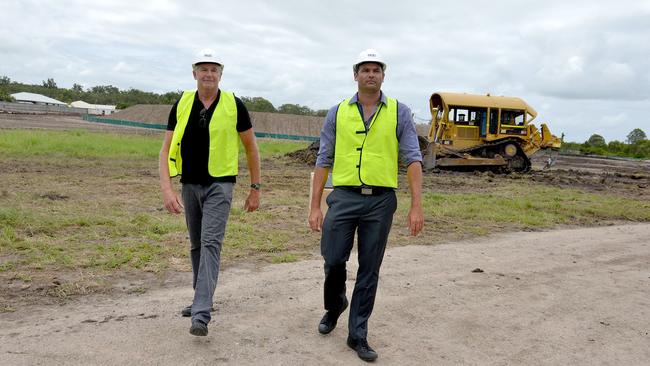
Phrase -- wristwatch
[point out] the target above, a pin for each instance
(256, 186)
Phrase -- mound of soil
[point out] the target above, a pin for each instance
(148, 113)
(307, 155)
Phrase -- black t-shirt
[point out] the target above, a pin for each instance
(195, 145)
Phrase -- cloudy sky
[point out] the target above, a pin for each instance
(583, 65)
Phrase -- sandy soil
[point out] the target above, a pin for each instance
(566, 297)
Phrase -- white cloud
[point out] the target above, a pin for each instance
(123, 67)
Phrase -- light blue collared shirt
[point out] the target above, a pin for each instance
(409, 148)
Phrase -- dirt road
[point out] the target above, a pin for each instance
(566, 297)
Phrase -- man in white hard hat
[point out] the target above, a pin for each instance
(202, 146)
(362, 140)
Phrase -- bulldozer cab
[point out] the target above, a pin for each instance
(465, 120)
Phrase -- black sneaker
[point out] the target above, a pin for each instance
(363, 349)
(328, 322)
(199, 328)
(187, 311)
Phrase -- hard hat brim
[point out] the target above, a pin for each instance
(383, 65)
(207, 62)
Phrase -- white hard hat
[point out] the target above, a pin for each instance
(369, 55)
(206, 56)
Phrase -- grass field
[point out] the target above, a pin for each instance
(85, 207)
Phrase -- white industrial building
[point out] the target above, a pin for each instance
(97, 109)
(33, 98)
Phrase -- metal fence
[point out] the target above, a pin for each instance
(29, 108)
(121, 122)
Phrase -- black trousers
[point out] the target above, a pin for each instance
(371, 217)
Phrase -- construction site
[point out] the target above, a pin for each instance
(508, 290)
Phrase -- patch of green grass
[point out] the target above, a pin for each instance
(22, 277)
(7, 235)
(257, 233)
(152, 257)
(10, 218)
(285, 258)
(7, 309)
(68, 289)
(273, 242)
(77, 239)
(153, 227)
(525, 207)
(97, 145)
(77, 144)
(138, 290)
(7, 266)
(270, 148)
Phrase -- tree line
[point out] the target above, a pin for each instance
(111, 95)
(636, 145)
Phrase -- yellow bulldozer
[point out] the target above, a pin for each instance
(484, 131)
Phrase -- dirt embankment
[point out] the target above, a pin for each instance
(275, 123)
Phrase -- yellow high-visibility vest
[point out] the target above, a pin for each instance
(366, 157)
(223, 159)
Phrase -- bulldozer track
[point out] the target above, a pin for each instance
(494, 147)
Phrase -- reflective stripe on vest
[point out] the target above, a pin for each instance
(366, 157)
(223, 159)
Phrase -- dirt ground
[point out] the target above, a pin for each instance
(566, 297)
(625, 177)
(572, 296)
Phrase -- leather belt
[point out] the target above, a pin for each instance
(366, 190)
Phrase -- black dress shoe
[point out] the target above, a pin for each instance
(328, 323)
(187, 311)
(199, 328)
(363, 349)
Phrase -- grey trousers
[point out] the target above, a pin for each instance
(206, 213)
(371, 217)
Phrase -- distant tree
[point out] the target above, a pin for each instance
(50, 84)
(4, 80)
(616, 147)
(570, 147)
(77, 88)
(295, 109)
(258, 104)
(171, 97)
(637, 135)
(596, 140)
(6, 97)
(640, 150)
(104, 89)
(321, 113)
